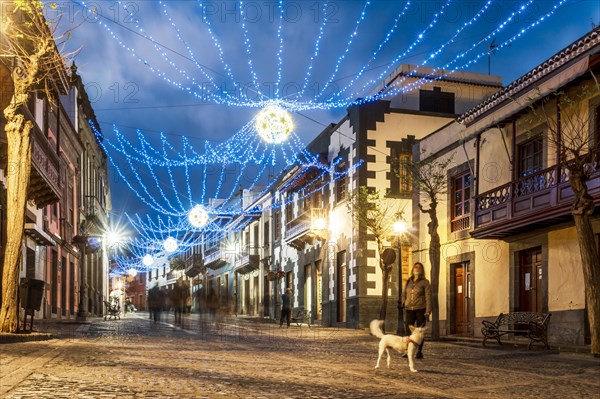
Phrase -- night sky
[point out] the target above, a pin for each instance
(175, 37)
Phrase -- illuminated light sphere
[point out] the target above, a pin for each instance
(274, 124)
(170, 244)
(132, 272)
(198, 217)
(147, 260)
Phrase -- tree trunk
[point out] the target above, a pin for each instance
(590, 260)
(434, 256)
(18, 132)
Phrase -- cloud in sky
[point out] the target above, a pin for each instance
(127, 92)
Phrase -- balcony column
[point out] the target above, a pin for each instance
(83, 295)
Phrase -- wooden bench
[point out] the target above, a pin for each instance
(535, 325)
(300, 316)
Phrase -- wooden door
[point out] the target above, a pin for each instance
(530, 280)
(460, 314)
(256, 297)
(308, 287)
(341, 286)
(63, 287)
(318, 291)
(54, 289)
(247, 295)
(461, 299)
(266, 296)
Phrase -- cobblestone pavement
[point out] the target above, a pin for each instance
(136, 358)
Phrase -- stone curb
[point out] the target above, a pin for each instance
(6, 338)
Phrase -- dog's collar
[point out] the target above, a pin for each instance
(408, 341)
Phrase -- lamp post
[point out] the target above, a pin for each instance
(399, 230)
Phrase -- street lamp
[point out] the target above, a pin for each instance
(399, 229)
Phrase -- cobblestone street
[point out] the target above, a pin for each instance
(135, 358)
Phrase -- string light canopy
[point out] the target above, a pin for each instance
(339, 83)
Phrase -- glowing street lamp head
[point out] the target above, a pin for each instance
(114, 238)
(170, 244)
(274, 124)
(133, 272)
(147, 260)
(320, 224)
(198, 217)
(400, 227)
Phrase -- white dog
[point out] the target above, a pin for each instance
(403, 345)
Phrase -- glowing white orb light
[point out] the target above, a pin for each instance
(274, 124)
(147, 260)
(132, 272)
(198, 217)
(170, 244)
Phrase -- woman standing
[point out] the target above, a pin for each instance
(416, 299)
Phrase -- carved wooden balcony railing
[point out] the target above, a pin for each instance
(303, 229)
(44, 183)
(462, 223)
(540, 199)
(193, 265)
(247, 260)
(215, 257)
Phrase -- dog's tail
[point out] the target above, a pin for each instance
(375, 328)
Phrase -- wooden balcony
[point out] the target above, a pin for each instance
(539, 200)
(44, 183)
(193, 265)
(303, 229)
(214, 258)
(247, 261)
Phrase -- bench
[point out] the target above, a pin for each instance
(535, 325)
(300, 316)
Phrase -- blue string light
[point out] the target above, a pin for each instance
(348, 45)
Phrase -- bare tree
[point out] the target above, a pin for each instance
(430, 179)
(377, 215)
(32, 43)
(570, 131)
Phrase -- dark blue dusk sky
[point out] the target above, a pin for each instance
(126, 92)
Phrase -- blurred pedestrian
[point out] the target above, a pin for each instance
(153, 303)
(286, 300)
(212, 303)
(161, 302)
(416, 298)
